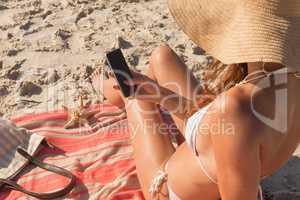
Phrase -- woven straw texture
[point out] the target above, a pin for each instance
(240, 31)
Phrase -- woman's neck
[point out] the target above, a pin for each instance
(255, 66)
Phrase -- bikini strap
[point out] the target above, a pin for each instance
(157, 182)
(159, 179)
(261, 196)
(259, 74)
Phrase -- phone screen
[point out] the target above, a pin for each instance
(121, 71)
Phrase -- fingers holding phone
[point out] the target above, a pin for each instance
(132, 84)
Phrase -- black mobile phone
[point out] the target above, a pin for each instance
(121, 71)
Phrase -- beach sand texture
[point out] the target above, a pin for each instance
(48, 48)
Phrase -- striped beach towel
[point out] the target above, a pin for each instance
(100, 157)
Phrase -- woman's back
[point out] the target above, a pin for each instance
(269, 109)
(281, 108)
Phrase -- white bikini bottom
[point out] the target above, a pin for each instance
(173, 195)
(162, 178)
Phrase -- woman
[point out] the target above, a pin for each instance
(247, 131)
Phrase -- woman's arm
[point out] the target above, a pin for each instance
(150, 90)
(179, 105)
(236, 149)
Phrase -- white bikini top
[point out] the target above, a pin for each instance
(193, 123)
(191, 130)
(192, 126)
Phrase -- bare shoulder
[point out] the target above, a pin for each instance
(232, 110)
(237, 155)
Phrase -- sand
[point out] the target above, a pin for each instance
(50, 47)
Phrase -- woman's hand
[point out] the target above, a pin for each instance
(146, 89)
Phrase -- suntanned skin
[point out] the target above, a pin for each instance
(238, 158)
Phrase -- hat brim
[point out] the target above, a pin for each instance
(237, 32)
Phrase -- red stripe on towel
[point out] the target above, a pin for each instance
(101, 160)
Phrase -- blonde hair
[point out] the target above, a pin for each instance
(220, 77)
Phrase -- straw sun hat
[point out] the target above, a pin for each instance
(240, 31)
